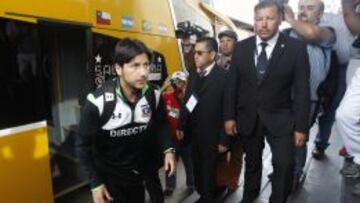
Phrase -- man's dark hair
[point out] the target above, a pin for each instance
(127, 49)
(210, 42)
(269, 3)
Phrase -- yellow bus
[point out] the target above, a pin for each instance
(67, 45)
(52, 53)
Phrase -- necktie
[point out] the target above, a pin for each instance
(199, 81)
(202, 73)
(262, 61)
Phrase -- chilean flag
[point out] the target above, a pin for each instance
(103, 18)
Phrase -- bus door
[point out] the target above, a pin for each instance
(64, 63)
(65, 55)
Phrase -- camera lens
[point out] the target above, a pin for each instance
(356, 43)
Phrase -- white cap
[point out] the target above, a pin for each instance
(179, 75)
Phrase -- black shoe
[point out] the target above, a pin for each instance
(168, 192)
(318, 153)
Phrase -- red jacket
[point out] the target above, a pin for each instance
(172, 112)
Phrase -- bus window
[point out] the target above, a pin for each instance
(21, 83)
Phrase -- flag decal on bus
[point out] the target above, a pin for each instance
(103, 18)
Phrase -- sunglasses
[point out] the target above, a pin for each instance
(186, 45)
(200, 53)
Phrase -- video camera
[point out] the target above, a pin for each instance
(185, 29)
(356, 43)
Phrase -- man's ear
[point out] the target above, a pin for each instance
(118, 69)
(213, 55)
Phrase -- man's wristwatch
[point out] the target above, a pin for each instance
(170, 150)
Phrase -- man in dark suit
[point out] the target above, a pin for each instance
(202, 116)
(268, 97)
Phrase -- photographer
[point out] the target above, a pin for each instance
(188, 52)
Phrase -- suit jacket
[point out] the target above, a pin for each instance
(205, 123)
(281, 99)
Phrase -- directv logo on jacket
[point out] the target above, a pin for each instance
(128, 132)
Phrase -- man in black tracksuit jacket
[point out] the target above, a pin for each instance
(113, 149)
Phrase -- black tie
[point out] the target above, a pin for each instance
(262, 61)
(202, 73)
(199, 81)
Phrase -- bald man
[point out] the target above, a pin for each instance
(320, 39)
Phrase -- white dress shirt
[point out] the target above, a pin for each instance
(271, 43)
(207, 69)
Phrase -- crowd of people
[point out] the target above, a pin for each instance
(233, 96)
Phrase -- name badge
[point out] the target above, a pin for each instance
(174, 113)
(191, 103)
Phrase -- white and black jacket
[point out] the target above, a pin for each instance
(116, 149)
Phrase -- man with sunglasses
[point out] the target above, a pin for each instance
(202, 116)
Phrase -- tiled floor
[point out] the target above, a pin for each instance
(322, 184)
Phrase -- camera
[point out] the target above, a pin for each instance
(185, 29)
(356, 43)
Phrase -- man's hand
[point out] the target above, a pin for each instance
(222, 148)
(230, 127)
(180, 134)
(101, 195)
(288, 14)
(170, 163)
(299, 139)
